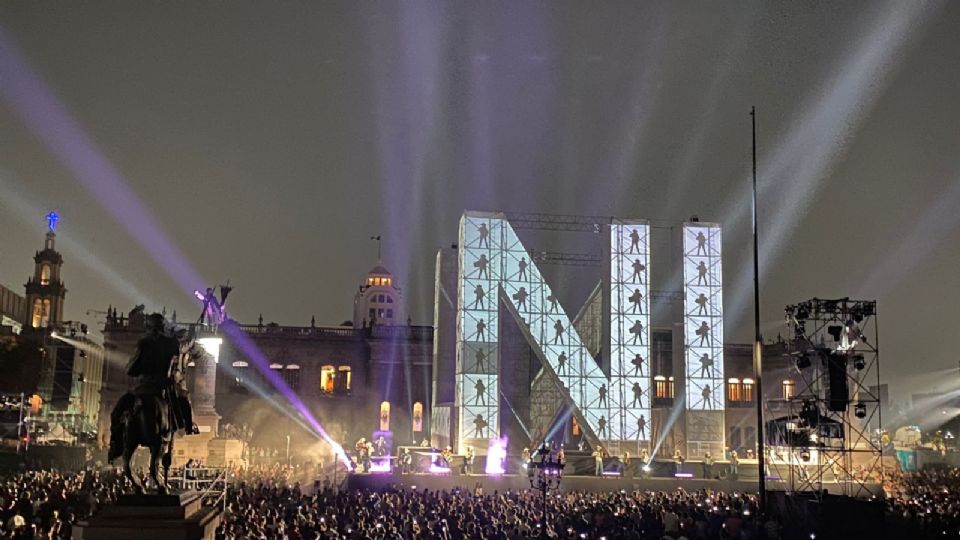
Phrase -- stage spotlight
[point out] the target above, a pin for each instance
(805, 455)
(860, 410)
(83, 353)
(859, 362)
(803, 361)
(84, 329)
(835, 330)
(53, 334)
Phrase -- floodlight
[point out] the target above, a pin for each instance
(859, 362)
(860, 410)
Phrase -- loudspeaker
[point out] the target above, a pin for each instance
(62, 378)
(838, 388)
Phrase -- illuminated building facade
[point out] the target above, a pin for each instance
(354, 378)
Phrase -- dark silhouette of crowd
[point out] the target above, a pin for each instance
(268, 510)
(267, 503)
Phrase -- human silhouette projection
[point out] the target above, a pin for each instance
(603, 395)
(701, 243)
(641, 427)
(554, 303)
(522, 275)
(704, 333)
(481, 360)
(638, 269)
(521, 297)
(481, 266)
(637, 395)
(558, 328)
(702, 301)
(481, 330)
(634, 241)
(706, 396)
(484, 233)
(601, 427)
(637, 364)
(705, 364)
(561, 362)
(637, 331)
(478, 296)
(479, 426)
(636, 298)
(702, 274)
(480, 398)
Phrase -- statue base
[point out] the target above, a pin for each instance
(152, 517)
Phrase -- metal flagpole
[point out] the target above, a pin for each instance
(758, 341)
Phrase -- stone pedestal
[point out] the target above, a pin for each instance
(152, 517)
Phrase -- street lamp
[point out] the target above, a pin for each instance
(545, 471)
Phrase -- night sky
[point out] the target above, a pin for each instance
(271, 140)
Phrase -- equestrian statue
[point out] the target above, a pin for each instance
(158, 407)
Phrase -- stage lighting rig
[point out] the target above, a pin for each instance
(860, 410)
(859, 362)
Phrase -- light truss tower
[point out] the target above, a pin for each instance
(825, 431)
(703, 337)
(629, 348)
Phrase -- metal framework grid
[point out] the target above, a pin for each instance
(629, 330)
(703, 316)
(494, 264)
(840, 447)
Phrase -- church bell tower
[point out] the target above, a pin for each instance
(45, 290)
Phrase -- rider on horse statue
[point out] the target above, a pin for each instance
(158, 365)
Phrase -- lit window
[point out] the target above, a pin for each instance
(733, 389)
(385, 416)
(369, 281)
(45, 317)
(45, 274)
(291, 376)
(661, 390)
(387, 281)
(748, 390)
(328, 377)
(37, 313)
(789, 388)
(344, 378)
(239, 373)
(417, 417)
(670, 387)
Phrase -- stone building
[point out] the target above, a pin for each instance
(354, 379)
(67, 379)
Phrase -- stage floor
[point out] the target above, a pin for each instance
(590, 484)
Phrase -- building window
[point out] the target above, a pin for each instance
(37, 313)
(733, 389)
(239, 374)
(789, 388)
(381, 299)
(373, 314)
(328, 376)
(389, 313)
(291, 376)
(344, 379)
(418, 417)
(389, 299)
(45, 274)
(385, 416)
(747, 393)
(662, 387)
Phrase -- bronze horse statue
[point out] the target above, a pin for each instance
(157, 408)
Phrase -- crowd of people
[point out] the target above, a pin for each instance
(267, 502)
(928, 500)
